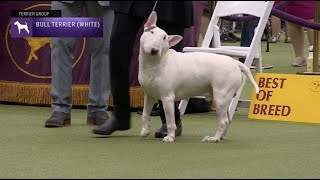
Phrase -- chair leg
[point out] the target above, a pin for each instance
(259, 61)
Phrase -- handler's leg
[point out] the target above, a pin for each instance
(99, 91)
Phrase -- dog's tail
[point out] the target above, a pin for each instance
(247, 72)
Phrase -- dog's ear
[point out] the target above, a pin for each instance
(174, 39)
(151, 22)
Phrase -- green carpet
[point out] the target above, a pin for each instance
(253, 148)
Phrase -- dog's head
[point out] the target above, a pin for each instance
(155, 41)
(15, 23)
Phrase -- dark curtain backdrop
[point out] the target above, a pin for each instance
(25, 62)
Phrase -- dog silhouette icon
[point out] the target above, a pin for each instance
(21, 26)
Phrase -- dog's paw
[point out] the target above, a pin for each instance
(214, 139)
(168, 139)
(144, 132)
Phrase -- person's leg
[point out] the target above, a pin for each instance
(99, 89)
(287, 38)
(247, 34)
(246, 39)
(310, 34)
(171, 29)
(226, 30)
(61, 69)
(275, 29)
(230, 31)
(124, 30)
(297, 41)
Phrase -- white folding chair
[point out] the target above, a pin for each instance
(260, 9)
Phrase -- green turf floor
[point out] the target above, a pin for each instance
(253, 148)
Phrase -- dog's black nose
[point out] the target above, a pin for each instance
(154, 51)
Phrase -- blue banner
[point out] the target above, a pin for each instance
(57, 27)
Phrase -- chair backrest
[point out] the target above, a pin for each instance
(254, 8)
(260, 9)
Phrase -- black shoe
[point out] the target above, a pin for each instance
(234, 37)
(227, 38)
(58, 119)
(97, 118)
(162, 132)
(155, 110)
(110, 126)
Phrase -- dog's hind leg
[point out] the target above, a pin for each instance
(229, 119)
(222, 101)
(147, 108)
(168, 106)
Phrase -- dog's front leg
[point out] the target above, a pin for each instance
(147, 108)
(168, 106)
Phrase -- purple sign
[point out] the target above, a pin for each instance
(21, 27)
(61, 27)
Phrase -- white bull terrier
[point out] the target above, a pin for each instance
(169, 75)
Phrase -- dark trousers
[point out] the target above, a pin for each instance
(247, 34)
(125, 28)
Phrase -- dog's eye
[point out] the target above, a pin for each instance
(151, 32)
(164, 37)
